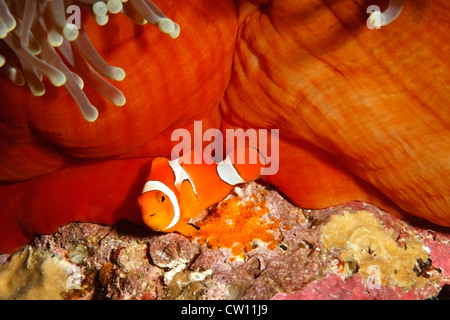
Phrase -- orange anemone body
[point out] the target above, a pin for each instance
(363, 114)
(169, 83)
(375, 102)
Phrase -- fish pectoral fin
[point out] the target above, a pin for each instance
(189, 201)
(200, 217)
(187, 230)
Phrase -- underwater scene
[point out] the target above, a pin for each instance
(224, 150)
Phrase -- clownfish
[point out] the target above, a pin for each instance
(177, 192)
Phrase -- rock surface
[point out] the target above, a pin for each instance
(351, 251)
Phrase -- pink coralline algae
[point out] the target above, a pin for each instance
(351, 251)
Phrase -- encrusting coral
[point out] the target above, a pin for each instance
(37, 274)
(314, 254)
(361, 238)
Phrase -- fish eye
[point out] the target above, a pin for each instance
(163, 198)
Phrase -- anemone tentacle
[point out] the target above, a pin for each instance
(380, 19)
(26, 27)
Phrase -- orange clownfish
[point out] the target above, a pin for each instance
(178, 191)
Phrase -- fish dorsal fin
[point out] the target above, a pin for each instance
(162, 171)
(181, 175)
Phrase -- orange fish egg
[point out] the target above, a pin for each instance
(235, 225)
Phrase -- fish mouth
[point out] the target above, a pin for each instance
(151, 215)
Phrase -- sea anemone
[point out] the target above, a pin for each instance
(39, 39)
(360, 112)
